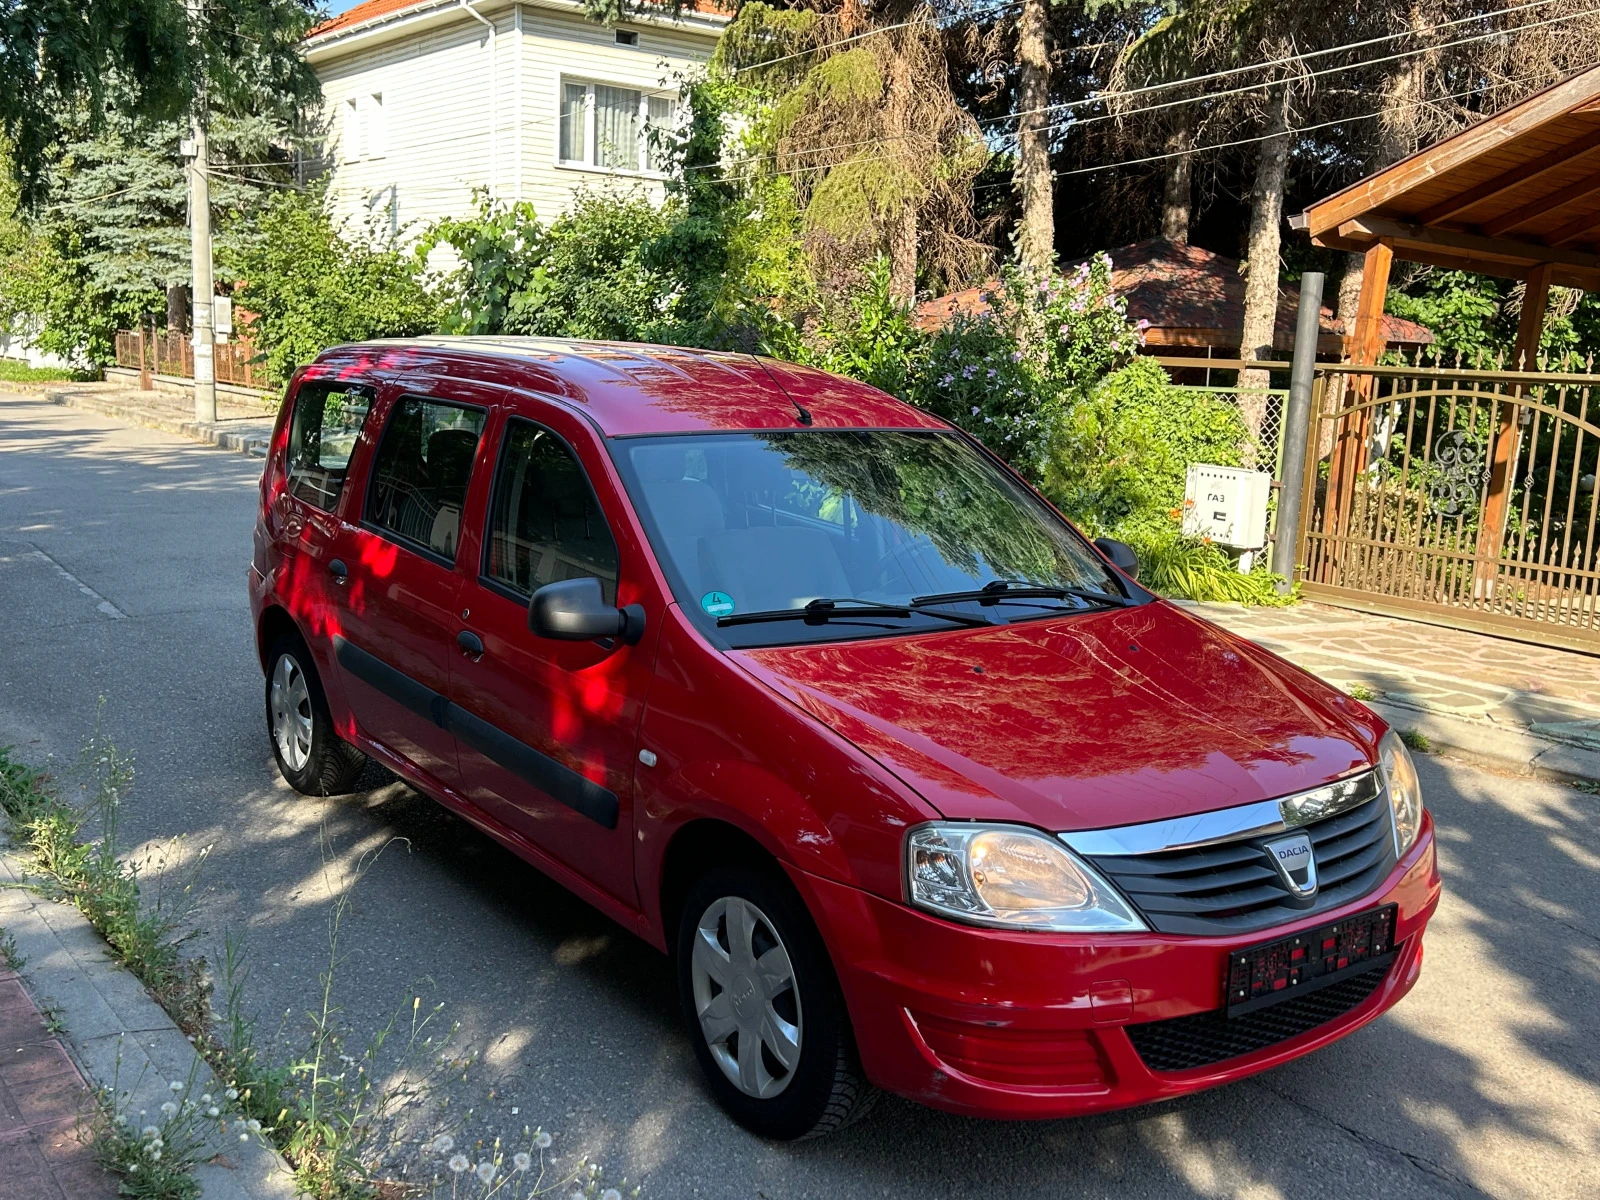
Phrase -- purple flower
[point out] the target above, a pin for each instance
(1143, 324)
(968, 371)
(947, 380)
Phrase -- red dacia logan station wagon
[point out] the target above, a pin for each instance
(918, 786)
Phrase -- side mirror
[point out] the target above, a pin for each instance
(1121, 555)
(574, 610)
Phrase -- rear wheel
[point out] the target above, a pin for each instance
(763, 1008)
(311, 756)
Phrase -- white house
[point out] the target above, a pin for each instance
(431, 99)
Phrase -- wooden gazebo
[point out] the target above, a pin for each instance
(1466, 496)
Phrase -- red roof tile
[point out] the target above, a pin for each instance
(373, 9)
(1190, 297)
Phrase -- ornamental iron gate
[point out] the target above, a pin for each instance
(1467, 498)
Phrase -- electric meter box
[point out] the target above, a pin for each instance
(1227, 505)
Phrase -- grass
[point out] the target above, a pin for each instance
(9, 954)
(14, 370)
(1416, 740)
(1360, 691)
(333, 1114)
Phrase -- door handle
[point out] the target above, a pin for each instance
(338, 570)
(471, 644)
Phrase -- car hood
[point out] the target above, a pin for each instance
(1083, 722)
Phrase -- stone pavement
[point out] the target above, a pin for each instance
(41, 1097)
(1550, 694)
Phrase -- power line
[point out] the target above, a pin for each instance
(1133, 162)
(1291, 58)
(856, 37)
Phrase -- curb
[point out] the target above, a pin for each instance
(218, 433)
(119, 1036)
(1484, 744)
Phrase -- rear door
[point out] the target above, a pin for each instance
(551, 727)
(394, 575)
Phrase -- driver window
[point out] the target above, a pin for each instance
(544, 522)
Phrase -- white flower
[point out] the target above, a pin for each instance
(244, 1137)
(169, 1108)
(542, 1140)
(213, 1111)
(522, 1160)
(458, 1163)
(175, 1086)
(206, 1098)
(232, 1093)
(443, 1144)
(485, 1173)
(157, 1143)
(150, 1131)
(155, 1153)
(253, 1125)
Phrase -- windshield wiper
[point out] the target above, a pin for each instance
(821, 610)
(1000, 590)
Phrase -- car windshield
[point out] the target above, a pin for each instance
(766, 523)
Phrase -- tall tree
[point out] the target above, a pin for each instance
(1036, 231)
(144, 59)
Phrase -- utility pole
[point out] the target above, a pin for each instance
(203, 339)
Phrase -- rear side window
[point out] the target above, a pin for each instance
(420, 476)
(544, 522)
(327, 420)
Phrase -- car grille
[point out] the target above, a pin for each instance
(1234, 888)
(1184, 1043)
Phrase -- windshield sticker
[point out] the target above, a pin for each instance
(718, 604)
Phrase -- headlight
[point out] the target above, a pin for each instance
(1405, 792)
(1010, 876)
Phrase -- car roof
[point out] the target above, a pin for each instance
(630, 388)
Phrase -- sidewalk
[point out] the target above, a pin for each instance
(41, 1097)
(242, 426)
(1485, 696)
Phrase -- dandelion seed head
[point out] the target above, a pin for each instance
(149, 1131)
(458, 1163)
(485, 1171)
(169, 1108)
(522, 1160)
(443, 1144)
(542, 1140)
(175, 1086)
(213, 1111)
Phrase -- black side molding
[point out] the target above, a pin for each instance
(534, 767)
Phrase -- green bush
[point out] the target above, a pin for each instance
(311, 285)
(14, 370)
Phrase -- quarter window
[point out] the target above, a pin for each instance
(322, 435)
(544, 522)
(420, 477)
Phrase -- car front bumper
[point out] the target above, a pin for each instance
(1027, 1025)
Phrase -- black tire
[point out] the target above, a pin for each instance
(331, 765)
(825, 1090)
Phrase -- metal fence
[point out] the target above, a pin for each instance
(170, 353)
(1462, 496)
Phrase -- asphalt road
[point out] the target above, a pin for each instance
(122, 562)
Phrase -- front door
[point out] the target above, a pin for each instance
(552, 726)
(395, 582)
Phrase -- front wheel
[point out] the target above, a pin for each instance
(764, 1011)
(311, 756)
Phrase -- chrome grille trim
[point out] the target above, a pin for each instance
(1229, 824)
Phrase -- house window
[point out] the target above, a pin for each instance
(609, 127)
(351, 138)
(366, 128)
(627, 37)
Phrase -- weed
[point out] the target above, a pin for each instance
(9, 954)
(154, 1154)
(1360, 691)
(1416, 740)
(1588, 787)
(50, 1013)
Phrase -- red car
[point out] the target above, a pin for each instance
(917, 785)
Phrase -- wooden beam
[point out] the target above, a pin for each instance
(1508, 436)
(1365, 343)
(1574, 230)
(1470, 244)
(1538, 208)
(1456, 150)
(1506, 180)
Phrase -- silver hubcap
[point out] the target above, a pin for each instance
(291, 713)
(745, 996)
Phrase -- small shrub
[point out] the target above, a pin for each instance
(1178, 566)
(14, 370)
(1416, 740)
(1360, 691)
(155, 1154)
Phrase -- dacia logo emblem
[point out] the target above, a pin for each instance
(1295, 863)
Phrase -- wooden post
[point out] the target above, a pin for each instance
(1363, 345)
(1508, 436)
